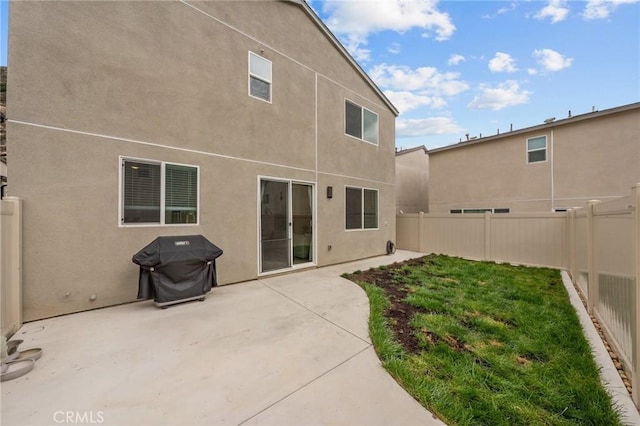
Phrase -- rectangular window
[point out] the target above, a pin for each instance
(467, 211)
(537, 149)
(181, 194)
(155, 192)
(361, 208)
(259, 77)
(472, 211)
(360, 122)
(141, 191)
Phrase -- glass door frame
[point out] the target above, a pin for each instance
(313, 247)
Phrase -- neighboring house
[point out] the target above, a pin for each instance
(412, 180)
(549, 167)
(246, 122)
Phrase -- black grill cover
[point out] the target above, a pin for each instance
(177, 267)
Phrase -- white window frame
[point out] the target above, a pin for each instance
(476, 211)
(362, 129)
(546, 146)
(362, 189)
(162, 164)
(269, 81)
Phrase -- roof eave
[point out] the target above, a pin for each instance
(310, 12)
(565, 121)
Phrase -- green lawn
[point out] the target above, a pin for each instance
(479, 343)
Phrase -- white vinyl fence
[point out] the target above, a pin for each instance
(598, 245)
(527, 238)
(10, 265)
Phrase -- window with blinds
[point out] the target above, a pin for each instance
(159, 193)
(361, 208)
(181, 194)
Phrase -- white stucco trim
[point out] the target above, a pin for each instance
(194, 151)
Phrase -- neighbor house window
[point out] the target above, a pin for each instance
(360, 122)
(537, 149)
(472, 211)
(259, 77)
(155, 192)
(361, 208)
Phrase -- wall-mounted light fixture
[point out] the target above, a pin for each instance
(329, 191)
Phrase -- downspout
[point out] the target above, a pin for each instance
(553, 201)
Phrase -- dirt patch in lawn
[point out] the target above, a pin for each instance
(399, 312)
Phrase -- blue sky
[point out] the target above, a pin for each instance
(475, 67)
(4, 29)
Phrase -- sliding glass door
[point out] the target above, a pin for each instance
(286, 224)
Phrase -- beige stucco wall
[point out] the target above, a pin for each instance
(595, 157)
(170, 84)
(412, 181)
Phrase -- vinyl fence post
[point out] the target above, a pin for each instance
(421, 238)
(571, 243)
(11, 266)
(487, 235)
(592, 258)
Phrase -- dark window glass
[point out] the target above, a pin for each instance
(260, 89)
(181, 194)
(354, 208)
(353, 120)
(537, 156)
(370, 209)
(141, 192)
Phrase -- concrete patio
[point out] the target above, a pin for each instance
(286, 350)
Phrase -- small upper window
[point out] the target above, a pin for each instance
(360, 122)
(259, 77)
(537, 149)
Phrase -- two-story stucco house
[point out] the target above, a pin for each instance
(549, 167)
(412, 180)
(244, 121)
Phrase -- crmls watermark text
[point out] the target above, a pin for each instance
(78, 417)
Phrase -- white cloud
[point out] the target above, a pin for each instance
(601, 9)
(501, 96)
(551, 61)
(424, 80)
(394, 48)
(406, 101)
(455, 59)
(502, 62)
(557, 10)
(354, 45)
(509, 8)
(430, 126)
(355, 20)
(502, 10)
